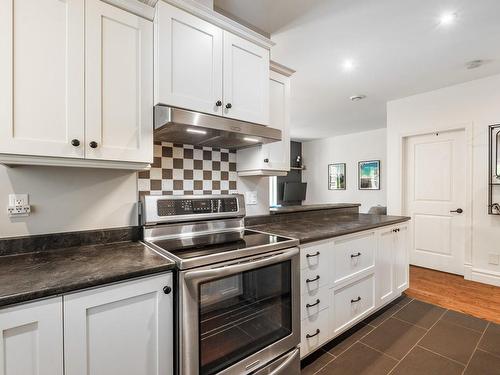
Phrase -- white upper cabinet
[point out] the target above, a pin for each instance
(75, 74)
(272, 159)
(42, 77)
(119, 84)
(31, 338)
(188, 68)
(246, 80)
(202, 67)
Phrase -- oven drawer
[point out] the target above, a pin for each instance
(352, 301)
(315, 255)
(315, 331)
(352, 256)
(314, 302)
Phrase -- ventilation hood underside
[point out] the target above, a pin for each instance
(187, 127)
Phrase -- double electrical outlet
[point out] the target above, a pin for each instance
(18, 205)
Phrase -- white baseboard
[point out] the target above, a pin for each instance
(481, 275)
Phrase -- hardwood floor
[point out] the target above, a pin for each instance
(454, 293)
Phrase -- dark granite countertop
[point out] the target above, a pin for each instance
(314, 228)
(311, 207)
(30, 276)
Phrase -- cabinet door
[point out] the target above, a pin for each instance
(119, 84)
(124, 329)
(384, 266)
(188, 67)
(31, 339)
(246, 80)
(401, 260)
(278, 153)
(42, 77)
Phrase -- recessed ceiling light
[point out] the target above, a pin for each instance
(355, 98)
(447, 19)
(474, 64)
(196, 131)
(348, 65)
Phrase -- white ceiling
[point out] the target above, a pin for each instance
(399, 48)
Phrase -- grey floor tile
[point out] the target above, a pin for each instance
(483, 363)
(359, 360)
(420, 313)
(403, 300)
(452, 341)
(394, 337)
(345, 340)
(315, 362)
(464, 320)
(420, 361)
(382, 315)
(491, 339)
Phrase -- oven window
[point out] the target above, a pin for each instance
(242, 314)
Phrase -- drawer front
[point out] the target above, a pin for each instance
(315, 332)
(312, 303)
(312, 280)
(354, 300)
(315, 255)
(352, 256)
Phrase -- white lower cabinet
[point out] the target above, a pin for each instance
(121, 329)
(345, 279)
(31, 341)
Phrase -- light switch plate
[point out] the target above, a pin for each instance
(251, 197)
(494, 259)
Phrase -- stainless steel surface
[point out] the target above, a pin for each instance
(289, 364)
(182, 126)
(189, 282)
(150, 212)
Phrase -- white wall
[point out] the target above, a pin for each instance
(475, 104)
(74, 199)
(349, 149)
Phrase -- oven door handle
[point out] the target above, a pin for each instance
(240, 267)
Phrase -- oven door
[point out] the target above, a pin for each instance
(238, 316)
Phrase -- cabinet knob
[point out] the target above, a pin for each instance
(266, 160)
(167, 289)
(75, 142)
(93, 144)
(218, 103)
(458, 211)
(229, 106)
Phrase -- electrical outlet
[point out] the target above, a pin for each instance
(494, 259)
(251, 197)
(18, 205)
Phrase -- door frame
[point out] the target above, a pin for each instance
(468, 127)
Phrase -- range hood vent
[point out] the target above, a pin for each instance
(187, 127)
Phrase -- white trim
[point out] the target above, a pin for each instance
(19, 160)
(468, 127)
(134, 6)
(262, 172)
(481, 275)
(221, 21)
(281, 69)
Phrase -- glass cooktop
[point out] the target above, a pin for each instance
(217, 243)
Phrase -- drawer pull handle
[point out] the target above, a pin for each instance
(356, 300)
(312, 280)
(314, 304)
(308, 336)
(355, 255)
(312, 255)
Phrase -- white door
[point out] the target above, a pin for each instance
(188, 66)
(124, 329)
(278, 153)
(385, 266)
(436, 186)
(119, 84)
(31, 339)
(42, 77)
(401, 261)
(246, 80)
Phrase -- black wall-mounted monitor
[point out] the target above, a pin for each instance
(294, 191)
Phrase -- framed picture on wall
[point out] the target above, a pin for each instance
(336, 176)
(369, 175)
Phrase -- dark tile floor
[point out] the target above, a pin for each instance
(411, 337)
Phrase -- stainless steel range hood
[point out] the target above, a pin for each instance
(182, 126)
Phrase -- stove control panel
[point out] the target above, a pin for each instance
(177, 207)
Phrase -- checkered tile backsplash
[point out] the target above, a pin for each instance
(186, 169)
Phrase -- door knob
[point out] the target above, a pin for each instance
(458, 211)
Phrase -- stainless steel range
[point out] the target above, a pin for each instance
(238, 289)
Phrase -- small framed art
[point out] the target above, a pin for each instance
(369, 175)
(336, 176)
